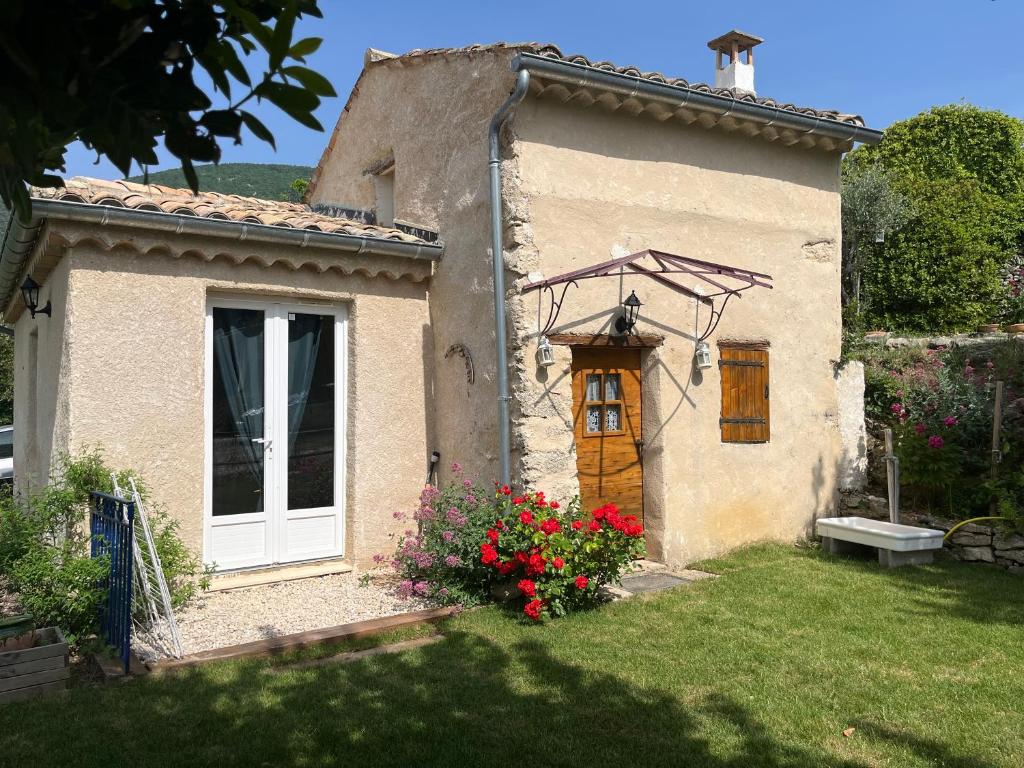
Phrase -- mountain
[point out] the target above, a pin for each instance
(266, 180)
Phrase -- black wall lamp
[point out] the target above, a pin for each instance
(630, 311)
(30, 293)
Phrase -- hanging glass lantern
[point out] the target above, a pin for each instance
(703, 355)
(545, 353)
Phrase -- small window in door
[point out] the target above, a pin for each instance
(603, 405)
(746, 414)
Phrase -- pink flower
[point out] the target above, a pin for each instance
(990, 365)
(896, 408)
(448, 536)
(935, 441)
(949, 421)
(919, 428)
(456, 467)
(420, 587)
(378, 558)
(405, 589)
(968, 370)
(452, 560)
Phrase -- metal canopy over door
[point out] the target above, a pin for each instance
(275, 433)
(607, 423)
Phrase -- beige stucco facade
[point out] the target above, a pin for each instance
(578, 181)
(120, 366)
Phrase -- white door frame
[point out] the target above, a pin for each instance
(276, 516)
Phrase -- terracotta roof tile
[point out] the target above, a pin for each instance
(553, 52)
(212, 205)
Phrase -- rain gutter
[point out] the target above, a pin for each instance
(20, 238)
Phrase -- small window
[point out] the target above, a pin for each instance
(603, 401)
(745, 393)
(384, 189)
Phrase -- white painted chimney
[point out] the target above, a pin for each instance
(734, 74)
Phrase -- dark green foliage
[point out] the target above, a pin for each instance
(6, 379)
(961, 169)
(45, 543)
(120, 76)
(264, 180)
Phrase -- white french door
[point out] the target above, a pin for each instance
(275, 432)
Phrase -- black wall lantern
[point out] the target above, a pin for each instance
(630, 311)
(30, 293)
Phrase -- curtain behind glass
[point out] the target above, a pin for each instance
(238, 359)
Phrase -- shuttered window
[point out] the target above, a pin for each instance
(745, 412)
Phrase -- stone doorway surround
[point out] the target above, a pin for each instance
(543, 428)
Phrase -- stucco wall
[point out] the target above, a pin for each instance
(433, 114)
(585, 181)
(42, 359)
(576, 182)
(135, 380)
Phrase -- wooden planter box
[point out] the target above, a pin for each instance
(33, 664)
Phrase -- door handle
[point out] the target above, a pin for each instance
(265, 442)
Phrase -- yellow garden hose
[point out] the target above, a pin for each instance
(962, 523)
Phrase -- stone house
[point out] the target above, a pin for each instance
(281, 373)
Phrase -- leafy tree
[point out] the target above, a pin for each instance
(120, 74)
(961, 170)
(6, 379)
(871, 208)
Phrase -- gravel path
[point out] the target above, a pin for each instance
(218, 619)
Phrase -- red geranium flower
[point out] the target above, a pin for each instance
(550, 526)
(488, 554)
(527, 588)
(595, 526)
(581, 582)
(599, 513)
(577, 524)
(535, 565)
(559, 563)
(522, 558)
(554, 505)
(499, 524)
(492, 535)
(505, 568)
(533, 609)
(518, 500)
(506, 490)
(525, 518)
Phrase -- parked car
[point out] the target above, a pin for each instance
(7, 453)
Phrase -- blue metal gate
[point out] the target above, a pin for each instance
(111, 526)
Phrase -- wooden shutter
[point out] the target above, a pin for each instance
(745, 392)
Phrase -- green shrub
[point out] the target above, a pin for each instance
(45, 547)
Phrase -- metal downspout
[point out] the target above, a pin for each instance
(498, 259)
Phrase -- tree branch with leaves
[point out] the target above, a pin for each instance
(120, 75)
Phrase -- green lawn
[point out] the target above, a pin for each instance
(765, 666)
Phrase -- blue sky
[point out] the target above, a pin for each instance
(883, 60)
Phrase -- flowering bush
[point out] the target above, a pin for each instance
(441, 558)
(549, 558)
(558, 559)
(940, 403)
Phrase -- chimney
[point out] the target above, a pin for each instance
(737, 76)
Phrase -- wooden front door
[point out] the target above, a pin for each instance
(607, 422)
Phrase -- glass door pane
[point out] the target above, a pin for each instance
(311, 417)
(238, 411)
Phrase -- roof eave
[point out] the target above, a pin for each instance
(574, 75)
(20, 238)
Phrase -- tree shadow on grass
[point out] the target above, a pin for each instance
(462, 702)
